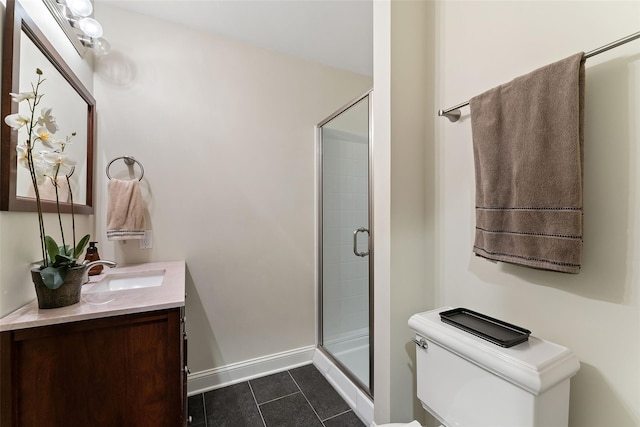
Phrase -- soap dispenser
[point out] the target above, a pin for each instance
(93, 255)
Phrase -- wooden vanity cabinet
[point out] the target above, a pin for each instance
(119, 371)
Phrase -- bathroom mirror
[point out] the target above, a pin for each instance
(24, 49)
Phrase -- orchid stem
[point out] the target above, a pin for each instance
(34, 179)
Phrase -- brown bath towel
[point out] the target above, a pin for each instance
(527, 144)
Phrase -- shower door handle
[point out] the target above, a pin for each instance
(355, 242)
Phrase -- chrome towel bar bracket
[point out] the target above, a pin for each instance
(453, 113)
(129, 161)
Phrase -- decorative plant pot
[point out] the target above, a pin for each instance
(67, 294)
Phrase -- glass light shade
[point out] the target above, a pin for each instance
(80, 7)
(90, 27)
(101, 47)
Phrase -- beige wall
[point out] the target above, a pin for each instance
(225, 132)
(482, 44)
(403, 197)
(478, 45)
(19, 240)
(381, 227)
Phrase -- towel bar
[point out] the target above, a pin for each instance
(129, 161)
(453, 113)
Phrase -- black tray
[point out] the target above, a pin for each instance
(498, 332)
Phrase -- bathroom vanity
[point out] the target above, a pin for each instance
(117, 358)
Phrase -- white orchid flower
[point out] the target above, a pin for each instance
(42, 168)
(22, 96)
(16, 121)
(59, 161)
(47, 120)
(59, 144)
(43, 135)
(23, 156)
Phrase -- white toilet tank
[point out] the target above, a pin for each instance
(464, 380)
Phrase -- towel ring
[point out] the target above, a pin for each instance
(129, 161)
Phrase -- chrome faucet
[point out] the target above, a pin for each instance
(110, 264)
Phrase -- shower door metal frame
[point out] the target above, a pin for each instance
(320, 163)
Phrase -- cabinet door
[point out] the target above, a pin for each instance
(185, 368)
(118, 371)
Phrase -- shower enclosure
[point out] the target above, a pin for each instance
(345, 242)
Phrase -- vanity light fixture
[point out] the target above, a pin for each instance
(101, 46)
(75, 17)
(90, 27)
(82, 8)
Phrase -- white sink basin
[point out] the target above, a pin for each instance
(123, 281)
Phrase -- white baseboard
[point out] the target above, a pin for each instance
(234, 373)
(359, 402)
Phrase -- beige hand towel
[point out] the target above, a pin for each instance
(126, 211)
(527, 143)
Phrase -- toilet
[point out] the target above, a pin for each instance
(464, 380)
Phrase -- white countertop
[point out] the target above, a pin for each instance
(169, 294)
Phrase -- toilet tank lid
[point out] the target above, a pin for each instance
(534, 365)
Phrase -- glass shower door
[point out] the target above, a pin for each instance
(345, 291)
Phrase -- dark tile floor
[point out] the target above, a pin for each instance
(300, 397)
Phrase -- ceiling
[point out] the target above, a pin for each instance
(338, 33)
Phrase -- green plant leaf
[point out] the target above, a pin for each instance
(53, 277)
(80, 246)
(64, 250)
(63, 261)
(52, 248)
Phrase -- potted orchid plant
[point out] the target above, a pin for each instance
(45, 158)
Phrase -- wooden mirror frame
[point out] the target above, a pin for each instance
(16, 22)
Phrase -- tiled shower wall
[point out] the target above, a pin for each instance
(345, 209)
